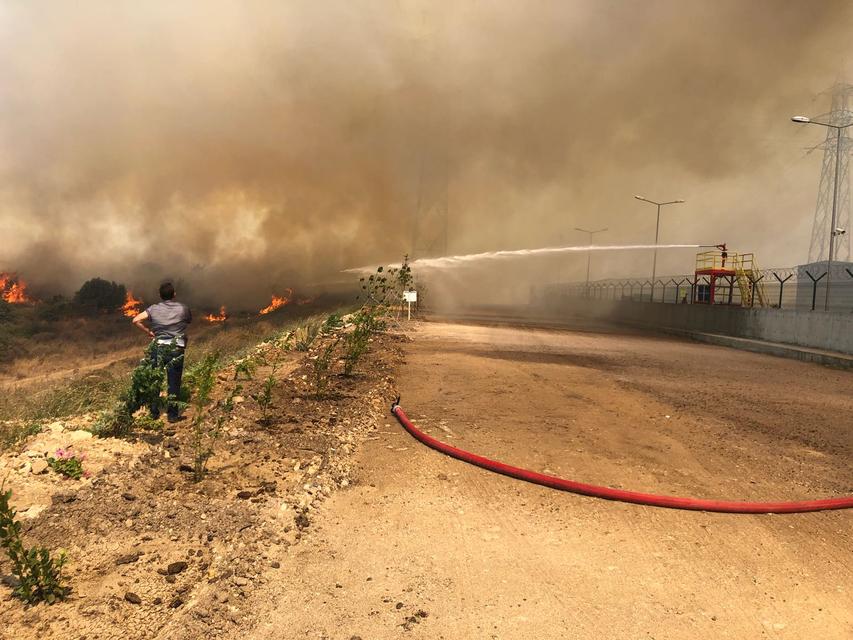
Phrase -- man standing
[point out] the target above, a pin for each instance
(169, 319)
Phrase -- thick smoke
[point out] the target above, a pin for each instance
(248, 146)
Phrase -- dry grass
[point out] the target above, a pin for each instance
(12, 433)
(80, 365)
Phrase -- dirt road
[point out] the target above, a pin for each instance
(427, 547)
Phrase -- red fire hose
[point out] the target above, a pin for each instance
(607, 493)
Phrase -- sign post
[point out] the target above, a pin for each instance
(410, 297)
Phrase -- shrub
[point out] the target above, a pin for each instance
(145, 422)
(101, 295)
(246, 366)
(57, 308)
(39, 575)
(264, 397)
(322, 368)
(144, 389)
(67, 464)
(114, 422)
(205, 434)
(332, 323)
(303, 336)
(385, 288)
(366, 322)
(147, 380)
(9, 346)
(207, 422)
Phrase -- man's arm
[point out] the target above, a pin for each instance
(139, 319)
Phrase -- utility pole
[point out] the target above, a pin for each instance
(589, 254)
(839, 119)
(657, 235)
(834, 186)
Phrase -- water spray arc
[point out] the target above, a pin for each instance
(448, 262)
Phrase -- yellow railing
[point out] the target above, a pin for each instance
(714, 260)
(745, 269)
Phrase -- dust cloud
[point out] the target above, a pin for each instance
(247, 147)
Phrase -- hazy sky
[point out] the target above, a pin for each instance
(249, 146)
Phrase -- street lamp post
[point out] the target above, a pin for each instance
(833, 232)
(589, 253)
(657, 234)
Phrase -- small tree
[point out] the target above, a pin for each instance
(322, 369)
(39, 575)
(264, 397)
(207, 420)
(356, 341)
(101, 295)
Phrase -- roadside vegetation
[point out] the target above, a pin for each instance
(37, 573)
(315, 357)
(94, 356)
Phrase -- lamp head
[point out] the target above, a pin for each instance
(801, 119)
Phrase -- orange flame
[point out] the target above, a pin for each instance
(131, 306)
(222, 317)
(13, 289)
(277, 302)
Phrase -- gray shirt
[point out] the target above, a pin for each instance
(169, 320)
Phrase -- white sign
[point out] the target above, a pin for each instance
(410, 296)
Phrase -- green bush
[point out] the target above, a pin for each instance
(264, 397)
(246, 366)
(39, 575)
(67, 464)
(57, 308)
(322, 369)
(366, 322)
(332, 323)
(144, 389)
(101, 295)
(207, 421)
(304, 335)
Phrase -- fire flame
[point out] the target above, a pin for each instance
(277, 302)
(13, 289)
(222, 317)
(131, 306)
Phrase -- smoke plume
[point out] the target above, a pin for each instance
(245, 147)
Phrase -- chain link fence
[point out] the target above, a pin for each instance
(803, 288)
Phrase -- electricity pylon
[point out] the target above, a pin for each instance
(841, 113)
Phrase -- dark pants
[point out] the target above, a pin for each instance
(172, 358)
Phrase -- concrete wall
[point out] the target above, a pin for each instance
(831, 331)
